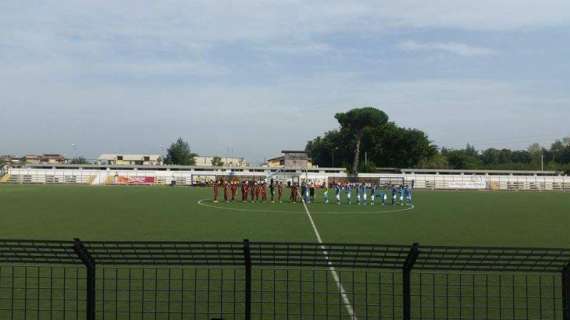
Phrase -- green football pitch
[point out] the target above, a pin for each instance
(184, 213)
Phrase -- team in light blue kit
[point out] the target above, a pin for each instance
(365, 194)
(348, 190)
(337, 190)
(368, 194)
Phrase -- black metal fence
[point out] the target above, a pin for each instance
(266, 280)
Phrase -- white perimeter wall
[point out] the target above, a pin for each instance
(421, 181)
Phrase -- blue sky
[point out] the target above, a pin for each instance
(254, 77)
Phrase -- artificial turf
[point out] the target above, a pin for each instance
(193, 292)
(164, 213)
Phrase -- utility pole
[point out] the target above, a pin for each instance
(542, 161)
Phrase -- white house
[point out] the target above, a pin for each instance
(130, 159)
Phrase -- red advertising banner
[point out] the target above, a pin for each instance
(135, 180)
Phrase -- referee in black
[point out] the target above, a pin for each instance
(272, 191)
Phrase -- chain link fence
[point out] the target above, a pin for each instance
(266, 280)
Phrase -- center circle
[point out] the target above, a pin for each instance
(211, 204)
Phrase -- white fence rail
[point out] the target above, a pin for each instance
(30, 175)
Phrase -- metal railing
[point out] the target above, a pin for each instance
(270, 280)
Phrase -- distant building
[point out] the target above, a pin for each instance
(206, 161)
(290, 159)
(52, 158)
(33, 158)
(8, 159)
(130, 159)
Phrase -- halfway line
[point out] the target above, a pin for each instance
(332, 269)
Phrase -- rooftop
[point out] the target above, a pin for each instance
(110, 156)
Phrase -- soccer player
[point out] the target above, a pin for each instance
(348, 190)
(402, 195)
(307, 194)
(365, 193)
(252, 187)
(272, 191)
(373, 195)
(216, 190)
(294, 192)
(337, 189)
(244, 191)
(234, 188)
(408, 195)
(394, 195)
(263, 191)
(326, 194)
(279, 191)
(226, 191)
(258, 191)
(312, 192)
(303, 190)
(383, 196)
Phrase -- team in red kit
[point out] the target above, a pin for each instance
(251, 191)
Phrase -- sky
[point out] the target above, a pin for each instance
(250, 78)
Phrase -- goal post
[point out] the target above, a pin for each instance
(284, 176)
(289, 177)
(393, 181)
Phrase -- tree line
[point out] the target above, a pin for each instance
(179, 153)
(366, 140)
(535, 157)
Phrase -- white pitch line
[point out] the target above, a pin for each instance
(332, 269)
(329, 213)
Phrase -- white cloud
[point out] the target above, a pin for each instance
(52, 51)
(206, 21)
(297, 48)
(461, 49)
(259, 120)
(477, 15)
(144, 31)
(157, 69)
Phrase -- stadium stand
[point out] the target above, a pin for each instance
(4, 176)
(190, 175)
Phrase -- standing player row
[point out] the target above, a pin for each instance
(361, 193)
(253, 191)
(366, 193)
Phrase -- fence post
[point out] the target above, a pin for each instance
(247, 264)
(566, 293)
(89, 263)
(407, 281)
